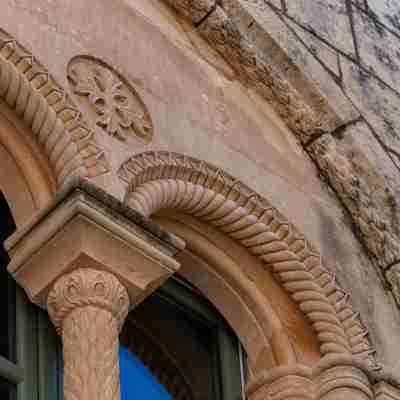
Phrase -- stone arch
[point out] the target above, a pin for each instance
(55, 124)
(158, 180)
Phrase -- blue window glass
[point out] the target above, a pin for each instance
(136, 380)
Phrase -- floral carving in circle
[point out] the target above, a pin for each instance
(109, 99)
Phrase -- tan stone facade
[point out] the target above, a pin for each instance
(143, 137)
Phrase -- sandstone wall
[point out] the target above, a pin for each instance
(350, 51)
(273, 85)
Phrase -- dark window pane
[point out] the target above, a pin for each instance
(7, 286)
(137, 382)
(7, 390)
(7, 314)
(177, 345)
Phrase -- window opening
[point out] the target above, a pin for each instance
(180, 337)
(10, 373)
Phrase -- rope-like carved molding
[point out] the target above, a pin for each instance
(159, 180)
(156, 358)
(56, 124)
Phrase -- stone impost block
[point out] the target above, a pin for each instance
(83, 232)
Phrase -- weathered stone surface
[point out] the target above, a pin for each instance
(367, 182)
(386, 13)
(393, 277)
(378, 103)
(342, 52)
(195, 10)
(327, 19)
(382, 60)
(276, 40)
(295, 100)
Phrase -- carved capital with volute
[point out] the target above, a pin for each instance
(88, 308)
(283, 382)
(86, 287)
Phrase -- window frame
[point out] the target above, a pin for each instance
(229, 351)
(38, 352)
(35, 347)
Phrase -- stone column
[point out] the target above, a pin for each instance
(88, 308)
(284, 382)
(340, 377)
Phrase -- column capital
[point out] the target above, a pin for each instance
(87, 287)
(343, 377)
(333, 378)
(285, 382)
(87, 228)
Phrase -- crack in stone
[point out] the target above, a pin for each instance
(212, 9)
(349, 7)
(338, 133)
(391, 265)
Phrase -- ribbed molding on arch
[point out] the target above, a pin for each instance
(158, 180)
(44, 107)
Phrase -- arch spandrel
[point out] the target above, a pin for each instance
(164, 180)
(55, 124)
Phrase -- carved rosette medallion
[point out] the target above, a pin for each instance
(109, 99)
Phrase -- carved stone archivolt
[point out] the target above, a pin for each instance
(112, 102)
(159, 180)
(88, 308)
(43, 105)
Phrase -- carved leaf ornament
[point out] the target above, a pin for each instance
(168, 180)
(113, 103)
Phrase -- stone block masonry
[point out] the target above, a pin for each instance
(331, 70)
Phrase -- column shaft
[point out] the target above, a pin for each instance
(90, 348)
(88, 308)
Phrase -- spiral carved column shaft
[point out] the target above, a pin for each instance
(88, 308)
